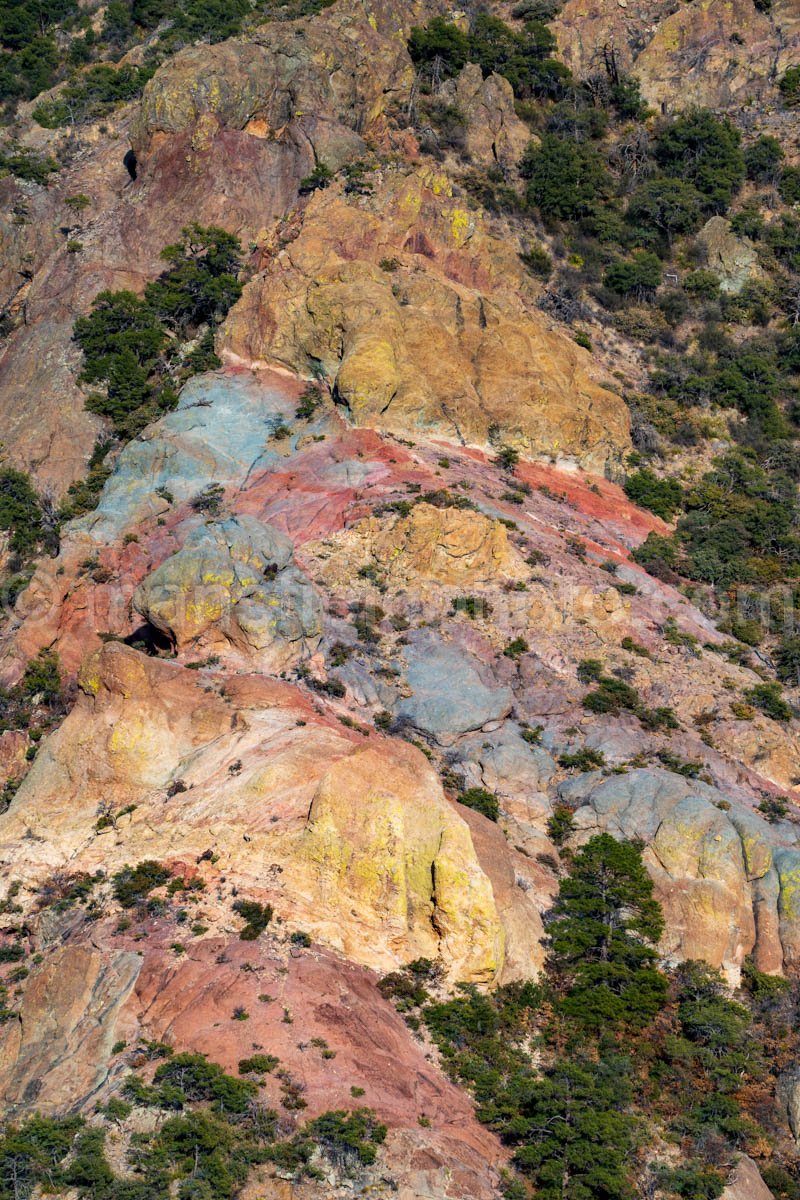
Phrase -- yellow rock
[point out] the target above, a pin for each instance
(449, 341)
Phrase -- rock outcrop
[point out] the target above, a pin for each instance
(708, 54)
(413, 312)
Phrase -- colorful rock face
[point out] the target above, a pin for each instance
(293, 638)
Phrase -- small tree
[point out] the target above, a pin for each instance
(603, 930)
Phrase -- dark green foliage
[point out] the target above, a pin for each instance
(603, 929)
(637, 276)
(661, 496)
(42, 679)
(257, 917)
(670, 206)
(320, 177)
(133, 884)
(440, 49)
(507, 457)
(93, 95)
(703, 284)
(566, 179)
(561, 824)
(763, 158)
(787, 658)
(612, 696)
(29, 59)
(577, 1132)
(439, 42)
(192, 1078)
(37, 702)
(789, 86)
(584, 759)
(516, 648)
(258, 1064)
(481, 801)
(789, 185)
(20, 512)
(348, 1139)
(695, 1181)
(767, 697)
(706, 152)
(124, 338)
(25, 164)
(717, 1028)
(735, 515)
(83, 495)
(538, 262)
(590, 670)
(309, 402)
(524, 57)
(202, 282)
(30, 1153)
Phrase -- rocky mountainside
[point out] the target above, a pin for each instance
(398, 490)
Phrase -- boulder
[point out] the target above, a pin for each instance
(234, 580)
(447, 694)
(734, 259)
(494, 133)
(746, 1183)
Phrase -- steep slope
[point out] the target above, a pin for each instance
(354, 640)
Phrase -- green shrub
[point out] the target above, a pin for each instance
(256, 916)
(789, 185)
(124, 338)
(670, 206)
(133, 884)
(538, 262)
(93, 95)
(27, 165)
(706, 152)
(638, 276)
(560, 824)
(193, 1078)
(612, 696)
(704, 284)
(348, 1139)
(258, 1064)
(566, 180)
(321, 177)
(604, 928)
(774, 808)
(516, 648)
(661, 496)
(584, 759)
(481, 801)
(789, 86)
(767, 697)
(763, 158)
(20, 512)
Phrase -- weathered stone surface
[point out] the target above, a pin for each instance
(494, 132)
(447, 546)
(703, 860)
(745, 1182)
(684, 55)
(234, 580)
(442, 341)
(368, 843)
(281, 83)
(733, 258)
(448, 696)
(57, 1055)
(377, 843)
